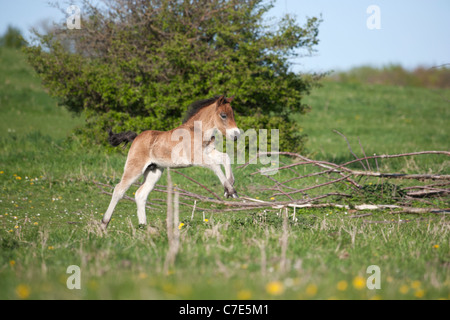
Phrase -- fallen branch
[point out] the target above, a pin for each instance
(429, 192)
(201, 185)
(399, 175)
(421, 210)
(312, 187)
(360, 215)
(297, 197)
(260, 204)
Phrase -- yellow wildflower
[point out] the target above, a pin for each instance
(180, 226)
(23, 291)
(342, 285)
(419, 293)
(359, 283)
(274, 288)
(311, 290)
(244, 295)
(403, 289)
(143, 275)
(415, 284)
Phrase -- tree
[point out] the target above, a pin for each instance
(12, 38)
(138, 64)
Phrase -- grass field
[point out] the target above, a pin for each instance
(49, 209)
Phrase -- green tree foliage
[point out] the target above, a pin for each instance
(137, 65)
(12, 38)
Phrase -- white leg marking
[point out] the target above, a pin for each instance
(151, 177)
(220, 158)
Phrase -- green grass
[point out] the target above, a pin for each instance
(50, 208)
(25, 106)
(386, 119)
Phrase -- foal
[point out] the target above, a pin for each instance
(152, 151)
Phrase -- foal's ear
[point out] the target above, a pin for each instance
(221, 101)
(228, 100)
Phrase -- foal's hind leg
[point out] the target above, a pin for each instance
(130, 175)
(151, 176)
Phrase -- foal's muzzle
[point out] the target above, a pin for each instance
(233, 134)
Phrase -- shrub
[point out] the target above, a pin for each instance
(427, 77)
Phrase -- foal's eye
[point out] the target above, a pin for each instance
(223, 115)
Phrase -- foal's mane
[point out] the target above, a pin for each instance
(197, 106)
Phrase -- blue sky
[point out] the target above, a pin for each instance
(413, 32)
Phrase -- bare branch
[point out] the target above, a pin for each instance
(350, 148)
(246, 203)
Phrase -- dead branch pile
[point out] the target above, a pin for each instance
(426, 186)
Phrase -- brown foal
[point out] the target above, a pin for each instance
(153, 151)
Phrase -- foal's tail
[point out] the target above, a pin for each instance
(116, 139)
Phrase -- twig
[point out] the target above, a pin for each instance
(428, 192)
(284, 242)
(391, 156)
(201, 185)
(385, 221)
(173, 233)
(350, 148)
(312, 187)
(421, 210)
(360, 215)
(364, 153)
(399, 175)
(193, 210)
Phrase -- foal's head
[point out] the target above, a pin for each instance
(224, 118)
(214, 113)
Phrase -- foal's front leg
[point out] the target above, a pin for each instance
(226, 162)
(227, 165)
(216, 159)
(229, 189)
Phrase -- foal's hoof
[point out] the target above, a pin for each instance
(103, 226)
(232, 194)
